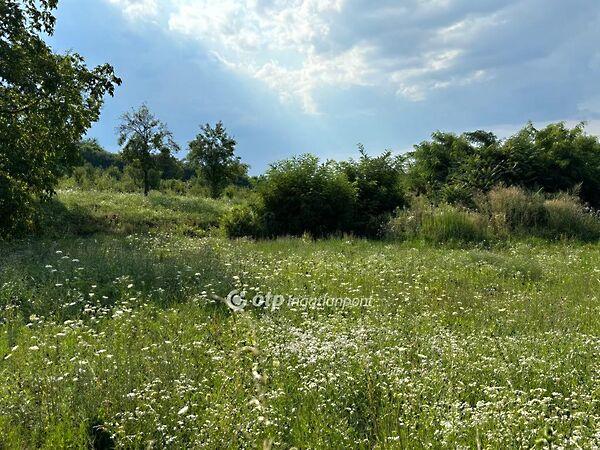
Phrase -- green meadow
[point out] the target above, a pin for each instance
(113, 337)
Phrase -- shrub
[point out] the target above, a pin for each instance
(302, 195)
(567, 217)
(244, 220)
(556, 158)
(378, 183)
(174, 186)
(511, 209)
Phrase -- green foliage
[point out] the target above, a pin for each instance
(453, 168)
(17, 211)
(47, 102)
(301, 195)
(94, 154)
(244, 221)
(378, 183)
(147, 143)
(212, 153)
(502, 213)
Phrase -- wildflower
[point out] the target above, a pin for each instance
(183, 410)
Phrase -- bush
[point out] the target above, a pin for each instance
(511, 209)
(556, 158)
(244, 220)
(301, 195)
(378, 183)
(503, 212)
(567, 217)
(173, 186)
(444, 223)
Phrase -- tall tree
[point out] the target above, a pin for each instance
(47, 102)
(144, 138)
(212, 153)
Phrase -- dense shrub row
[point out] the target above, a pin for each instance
(302, 195)
(455, 178)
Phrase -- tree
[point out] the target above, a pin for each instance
(93, 153)
(452, 168)
(302, 195)
(378, 182)
(144, 138)
(212, 153)
(47, 102)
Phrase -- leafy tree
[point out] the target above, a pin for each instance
(303, 195)
(170, 168)
(433, 164)
(554, 159)
(212, 152)
(144, 138)
(93, 153)
(378, 182)
(452, 168)
(47, 102)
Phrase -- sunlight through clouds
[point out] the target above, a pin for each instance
(405, 50)
(297, 47)
(274, 42)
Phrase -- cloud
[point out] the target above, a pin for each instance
(273, 41)
(413, 49)
(137, 9)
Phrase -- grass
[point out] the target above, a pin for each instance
(88, 212)
(118, 340)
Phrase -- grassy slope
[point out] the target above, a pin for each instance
(88, 212)
(460, 347)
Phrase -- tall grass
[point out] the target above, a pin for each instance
(500, 214)
(81, 212)
(512, 210)
(438, 224)
(459, 348)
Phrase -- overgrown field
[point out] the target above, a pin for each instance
(115, 339)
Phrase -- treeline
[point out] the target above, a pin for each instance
(449, 172)
(101, 170)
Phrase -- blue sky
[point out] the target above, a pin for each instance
(319, 76)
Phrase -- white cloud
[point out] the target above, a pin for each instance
(274, 41)
(137, 9)
(413, 48)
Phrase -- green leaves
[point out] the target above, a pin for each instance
(453, 168)
(47, 101)
(144, 138)
(212, 153)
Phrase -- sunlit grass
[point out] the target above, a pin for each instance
(87, 212)
(121, 339)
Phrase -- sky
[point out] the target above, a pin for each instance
(320, 76)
